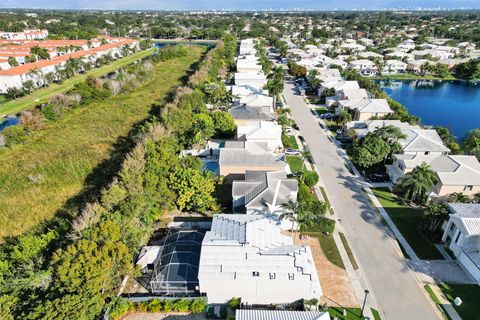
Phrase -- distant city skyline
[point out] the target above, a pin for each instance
(242, 4)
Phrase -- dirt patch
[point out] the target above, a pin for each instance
(336, 286)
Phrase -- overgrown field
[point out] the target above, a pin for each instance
(54, 170)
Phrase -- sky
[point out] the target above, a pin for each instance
(240, 4)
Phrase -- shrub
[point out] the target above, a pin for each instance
(32, 120)
(304, 193)
(52, 112)
(310, 178)
(234, 303)
(14, 135)
(198, 305)
(321, 224)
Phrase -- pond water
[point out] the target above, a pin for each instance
(451, 104)
(7, 122)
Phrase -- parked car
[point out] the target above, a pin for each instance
(327, 115)
(378, 177)
(288, 130)
(292, 152)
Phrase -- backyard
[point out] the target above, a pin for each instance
(59, 167)
(409, 221)
(39, 96)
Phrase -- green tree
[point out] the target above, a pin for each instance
(278, 73)
(343, 117)
(193, 190)
(435, 214)
(417, 184)
(202, 128)
(12, 61)
(471, 143)
(274, 87)
(224, 124)
(459, 197)
(370, 150)
(448, 139)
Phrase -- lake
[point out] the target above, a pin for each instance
(451, 104)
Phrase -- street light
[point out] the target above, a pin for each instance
(364, 301)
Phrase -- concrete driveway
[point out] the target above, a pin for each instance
(395, 288)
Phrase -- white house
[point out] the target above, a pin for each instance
(394, 67)
(254, 79)
(364, 67)
(336, 85)
(462, 236)
(247, 256)
(267, 132)
(365, 109)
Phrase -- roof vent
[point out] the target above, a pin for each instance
(256, 274)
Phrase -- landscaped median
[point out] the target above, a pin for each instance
(409, 221)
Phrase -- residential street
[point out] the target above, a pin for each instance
(394, 285)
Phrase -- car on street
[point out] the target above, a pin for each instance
(378, 177)
(327, 115)
(292, 152)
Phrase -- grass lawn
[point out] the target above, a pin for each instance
(408, 221)
(322, 110)
(376, 314)
(332, 126)
(349, 251)
(435, 299)
(352, 313)
(60, 167)
(470, 295)
(42, 95)
(295, 163)
(289, 141)
(329, 248)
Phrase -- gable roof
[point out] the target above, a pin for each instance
(466, 216)
(421, 140)
(367, 105)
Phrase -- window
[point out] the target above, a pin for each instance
(291, 276)
(272, 275)
(426, 153)
(468, 188)
(458, 237)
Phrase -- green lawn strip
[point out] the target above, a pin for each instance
(349, 251)
(322, 110)
(77, 154)
(332, 126)
(41, 95)
(329, 248)
(289, 141)
(325, 198)
(296, 163)
(470, 295)
(408, 221)
(351, 314)
(376, 314)
(435, 299)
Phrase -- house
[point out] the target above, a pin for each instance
(365, 109)
(255, 79)
(247, 256)
(370, 55)
(266, 132)
(346, 94)
(336, 85)
(248, 63)
(247, 46)
(462, 236)
(455, 173)
(394, 67)
(364, 67)
(244, 114)
(255, 314)
(261, 191)
(239, 156)
(416, 65)
(241, 91)
(362, 128)
(257, 100)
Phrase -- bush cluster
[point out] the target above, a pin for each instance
(122, 306)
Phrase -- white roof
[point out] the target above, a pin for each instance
(265, 130)
(246, 90)
(257, 100)
(421, 140)
(367, 105)
(340, 84)
(148, 255)
(467, 217)
(242, 314)
(243, 247)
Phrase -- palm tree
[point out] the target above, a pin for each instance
(459, 197)
(476, 197)
(390, 133)
(343, 117)
(274, 87)
(435, 214)
(290, 212)
(278, 73)
(416, 184)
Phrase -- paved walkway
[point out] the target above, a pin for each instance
(392, 283)
(441, 271)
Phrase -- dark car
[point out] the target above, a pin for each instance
(378, 177)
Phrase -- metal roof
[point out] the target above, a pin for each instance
(280, 315)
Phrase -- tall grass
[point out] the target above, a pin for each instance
(58, 166)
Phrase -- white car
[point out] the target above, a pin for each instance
(292, 152)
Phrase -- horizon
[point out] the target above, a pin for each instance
(245, 5)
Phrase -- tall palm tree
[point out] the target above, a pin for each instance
(278, 73)
(416, 184)
(291, 212)
(390, 134)
(459, 197)
(274, 87)
(343, 117)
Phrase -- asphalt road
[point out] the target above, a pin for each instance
(396, 290)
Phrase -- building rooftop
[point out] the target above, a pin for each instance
(241, 314)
